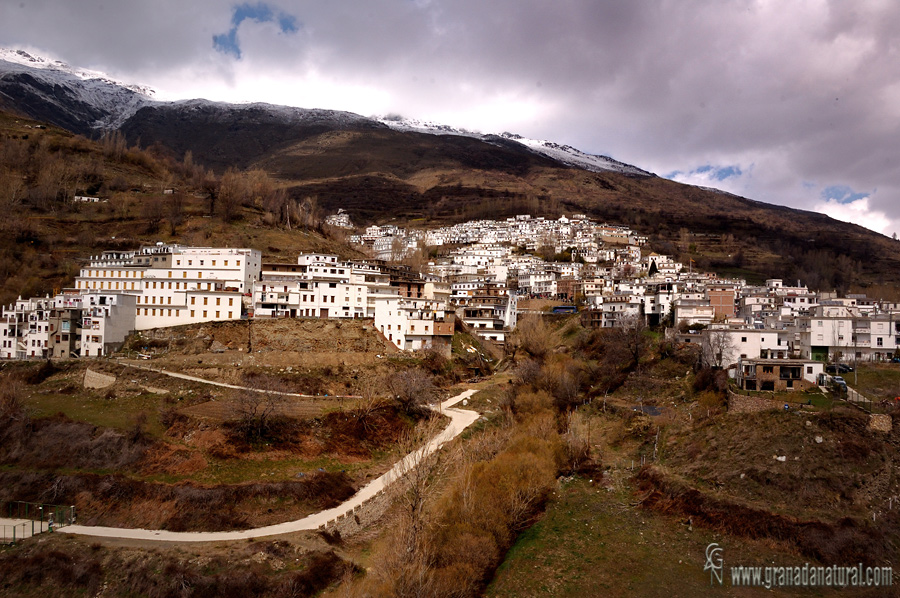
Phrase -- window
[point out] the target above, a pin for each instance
(230, 301)
(205, 300)
(879, 341)
(217, 314)
(218, 301)
(809, 369)
(768, 369)
(192, 313)
(743, 339)
(204, 313)
(193, 300)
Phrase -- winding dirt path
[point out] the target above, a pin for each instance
(460, 419)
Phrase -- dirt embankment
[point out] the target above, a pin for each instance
(837, 541)
(60, 565)
(288, 342)
(819, 480)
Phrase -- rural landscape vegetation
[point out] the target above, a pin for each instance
(602, 462)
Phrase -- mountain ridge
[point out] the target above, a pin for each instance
(91, 103)
(382, 169)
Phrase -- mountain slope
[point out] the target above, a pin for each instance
(81, 101)
(379, 170)
(219, 134)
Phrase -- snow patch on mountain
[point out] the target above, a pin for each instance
(114, 100)
(107, 104)
(565, 154)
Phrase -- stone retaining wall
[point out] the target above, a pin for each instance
(353, 521)
(96, 380)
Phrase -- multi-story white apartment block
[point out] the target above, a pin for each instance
(320, 286)
(176, 285)
(67, 325)
(839, 333)
(491, 314)
(413, 324)
(107, 319)
(26, 329)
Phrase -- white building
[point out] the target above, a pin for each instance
(176, 285)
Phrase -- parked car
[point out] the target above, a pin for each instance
(838, 368)
(839, 382)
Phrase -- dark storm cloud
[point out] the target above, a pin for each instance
(789, 99)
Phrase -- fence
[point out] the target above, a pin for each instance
(12, 533)
(26, 519)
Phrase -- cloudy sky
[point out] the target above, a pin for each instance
(795, 103)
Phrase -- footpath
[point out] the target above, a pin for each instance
(460, 419)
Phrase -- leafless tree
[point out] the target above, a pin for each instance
(717, 350)
(408, 565)
(256, 405)
(175, 211)
(12, 187)
(371, 400)
(631, 332)
(232, 193)
(153, 210)
(413, 389)
(533, 336)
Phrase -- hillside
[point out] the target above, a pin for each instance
(381, 170)
(43, 246)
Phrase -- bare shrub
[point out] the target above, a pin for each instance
(370, 402)
(256, 407)
(576, 440)
(413, 390)
(563, 379)
(528, 372)
(532, 336)
(12, 391)
(533, 402)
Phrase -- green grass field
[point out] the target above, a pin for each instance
(594, 541)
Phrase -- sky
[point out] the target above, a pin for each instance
(792, 103)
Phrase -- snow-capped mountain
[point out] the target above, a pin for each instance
(565, 154)
(78, 99)
(90, 102)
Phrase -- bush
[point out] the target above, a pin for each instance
(413, 390)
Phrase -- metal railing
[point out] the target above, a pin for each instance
(33, 518)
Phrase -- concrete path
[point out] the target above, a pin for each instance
(460, 419)
(226, 385)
